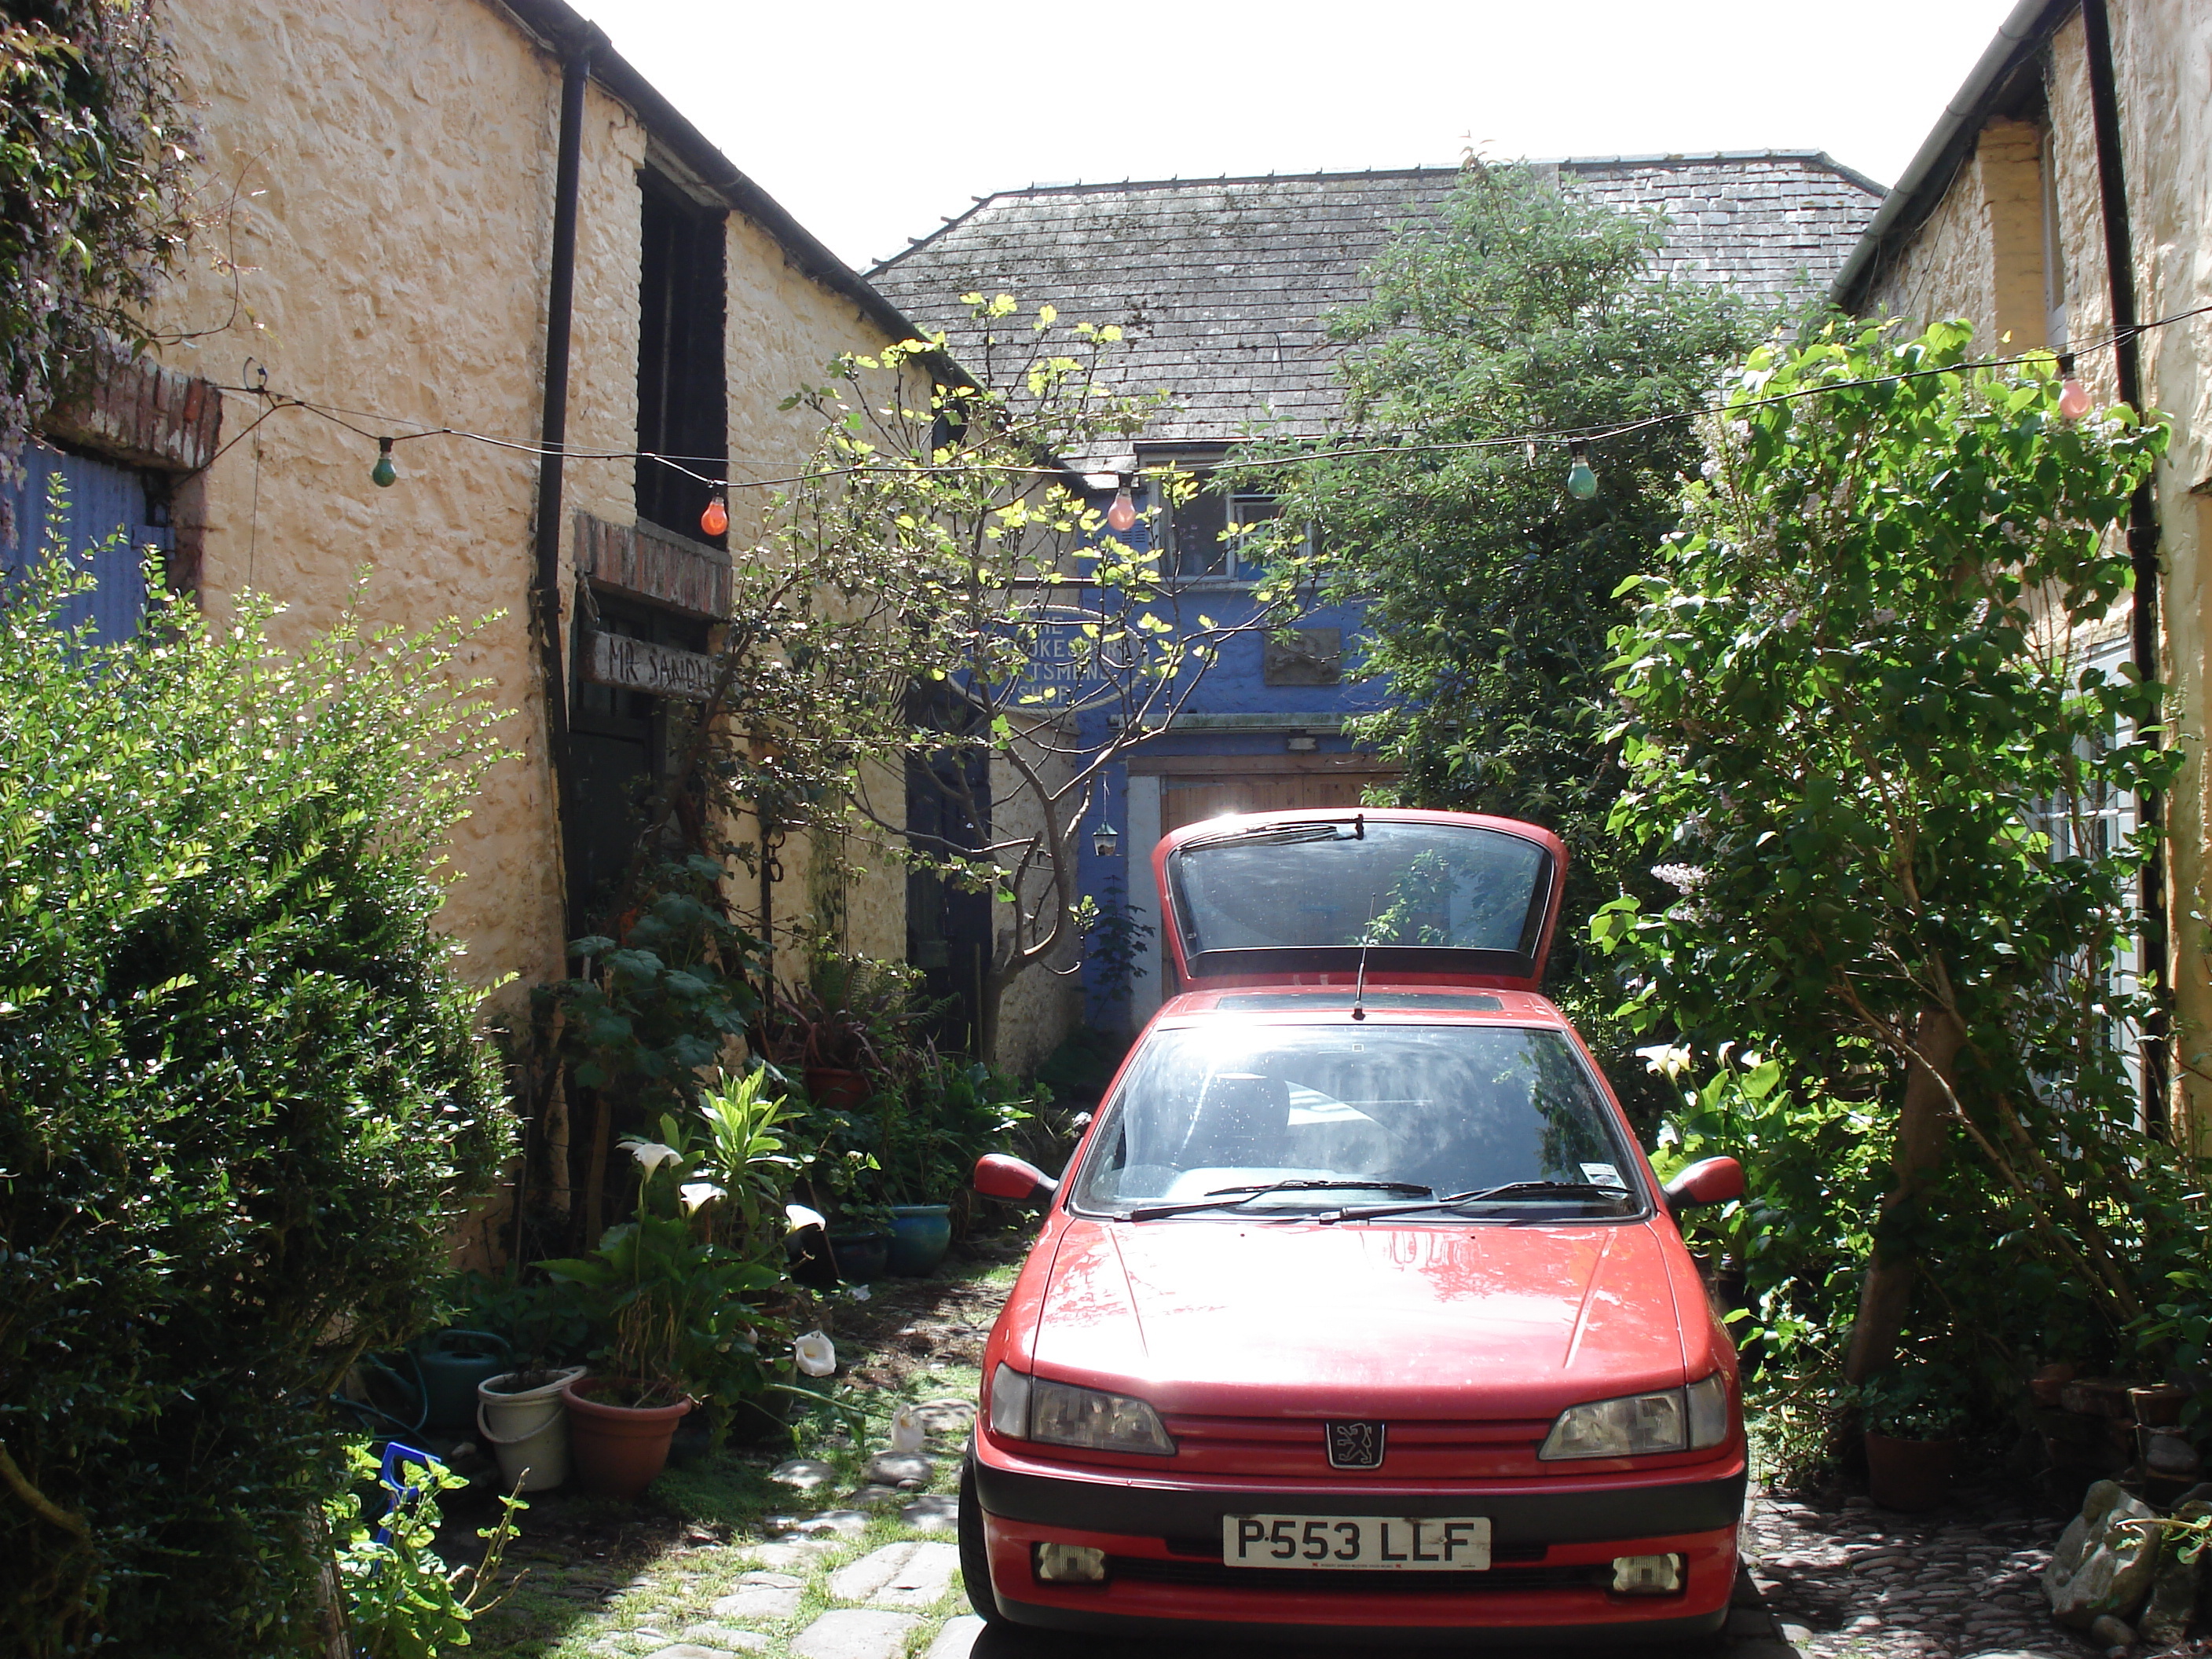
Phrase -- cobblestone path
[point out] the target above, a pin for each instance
(855, 1567)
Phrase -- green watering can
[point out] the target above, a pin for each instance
(453, 1362)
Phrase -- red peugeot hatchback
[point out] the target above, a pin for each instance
(1357, 1312)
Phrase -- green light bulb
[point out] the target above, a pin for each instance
(1581, 482)
(384, 475)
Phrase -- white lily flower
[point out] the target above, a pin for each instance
(695, 1193)
(652, 1153)
(798, 1218)
(817, 1355)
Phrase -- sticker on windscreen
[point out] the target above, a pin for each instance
(1603, 1174)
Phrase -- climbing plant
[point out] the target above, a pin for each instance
(1865, 747)
(95, 157)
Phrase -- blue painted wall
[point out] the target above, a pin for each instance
(1233, 685)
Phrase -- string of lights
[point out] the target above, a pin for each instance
(1581, 482)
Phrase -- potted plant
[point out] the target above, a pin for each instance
(1912, 1415)
(842, 1027)
(680, 1311)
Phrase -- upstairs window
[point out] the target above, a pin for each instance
(1221, 532)
(683, 407)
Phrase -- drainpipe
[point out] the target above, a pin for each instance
(553, 433)
(2142, 525)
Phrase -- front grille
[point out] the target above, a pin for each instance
(1498, 1581)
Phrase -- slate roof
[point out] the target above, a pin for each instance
(1223, 283)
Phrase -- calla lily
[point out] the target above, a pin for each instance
(815, 1354)
(798, 1218)
(652, 1153)
(695, 1193)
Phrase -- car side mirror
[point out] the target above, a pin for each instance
(999, 1176)
(1709, 1180)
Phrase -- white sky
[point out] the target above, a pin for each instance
(871, 122)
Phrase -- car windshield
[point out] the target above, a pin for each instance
(1400, 1108)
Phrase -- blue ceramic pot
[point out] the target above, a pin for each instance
(920, 1234)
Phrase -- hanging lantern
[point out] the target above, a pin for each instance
(1105, 840)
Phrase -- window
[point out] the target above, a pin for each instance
(2054, 249)
(1220, 532)
(682, 398)
(110, 515)
(2096, 826)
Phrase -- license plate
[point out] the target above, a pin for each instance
(1367, 1543)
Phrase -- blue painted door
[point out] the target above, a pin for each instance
(102, 516)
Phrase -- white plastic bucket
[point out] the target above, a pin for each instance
(527, 1431)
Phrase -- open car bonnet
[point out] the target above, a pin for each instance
(1222, 1317)
(1319, 895)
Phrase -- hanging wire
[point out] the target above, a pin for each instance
(1573, 440)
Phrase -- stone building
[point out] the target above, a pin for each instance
(1225, 287)
(2066, 195)
(412, 210)
(384, 257)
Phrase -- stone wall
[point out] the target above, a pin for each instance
(382, 183)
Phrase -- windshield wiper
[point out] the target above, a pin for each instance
(1229, 1198)
(1283, 835)
(1481, 1194)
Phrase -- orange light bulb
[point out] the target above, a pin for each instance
(1122, 515)
(716, 519)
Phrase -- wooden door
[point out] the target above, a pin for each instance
(1188, 800)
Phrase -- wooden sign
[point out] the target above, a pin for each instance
(642, 666)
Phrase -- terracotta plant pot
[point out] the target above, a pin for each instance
(1911, 1475)
(618, 1451)
(834, 1089)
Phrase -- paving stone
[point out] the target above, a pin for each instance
(803, 1555)
(765, 1604)
(693, 1651)
(804, 1473)
(869, 1498)
(889, 1468)
(725, 1636)
(933, 1513)
(843, 1523)
(900, 1576)
(855, 1633)
(957, 1636)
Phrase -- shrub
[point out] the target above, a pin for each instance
(240, 1094)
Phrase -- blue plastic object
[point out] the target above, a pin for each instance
(396, 1458)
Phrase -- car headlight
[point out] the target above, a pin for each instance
(1025, 1408)
(1672, 1420)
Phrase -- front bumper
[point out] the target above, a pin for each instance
(1549, 1581)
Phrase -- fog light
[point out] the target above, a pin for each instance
(1647, 1575)
(1077, 1563)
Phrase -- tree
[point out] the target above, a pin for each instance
(242, 1101)
(1488, 587)
(1863, 744)
(942, 607)
(94, 160)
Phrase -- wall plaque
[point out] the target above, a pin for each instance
(642, 666)
(1303, 656)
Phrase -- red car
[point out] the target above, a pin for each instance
(1357, 1312)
